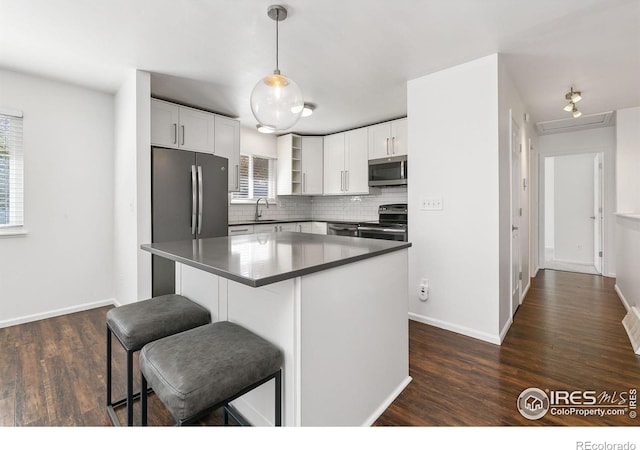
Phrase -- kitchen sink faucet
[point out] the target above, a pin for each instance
(259, 213)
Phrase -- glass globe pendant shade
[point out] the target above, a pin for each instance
(276, 102)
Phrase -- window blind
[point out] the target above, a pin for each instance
(11, 170)
(257, 178)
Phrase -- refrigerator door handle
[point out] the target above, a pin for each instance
(200, 199)
(194, 196)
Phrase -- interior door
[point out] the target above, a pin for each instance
(515, 217)
(597, 212)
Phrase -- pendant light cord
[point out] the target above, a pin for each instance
(277, 71)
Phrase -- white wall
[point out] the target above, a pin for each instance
(573, 205)
(628, 198)
(589, 141)
(65, 262)
(253, 142)
(549, 206)
(628, 159)
(132, 195)
(454, 150)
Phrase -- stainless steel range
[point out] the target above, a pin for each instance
(391, 224)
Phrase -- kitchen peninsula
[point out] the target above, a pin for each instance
(335, 305)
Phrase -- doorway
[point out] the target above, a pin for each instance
(573, 212)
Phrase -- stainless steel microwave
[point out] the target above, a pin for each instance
(390, 171)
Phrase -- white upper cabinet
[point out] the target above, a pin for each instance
(299, 167)
(180, 127)
(164, 124)
(356, 161)
(388, 139)
(346, 163)
(196, 130)
(227, 145)
(312, 150)
(176, 126)
(334, 164)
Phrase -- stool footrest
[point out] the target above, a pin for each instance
(111, 408)
(230, 411)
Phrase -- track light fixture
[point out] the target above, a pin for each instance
(573, 97)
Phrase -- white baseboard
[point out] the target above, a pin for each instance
(535, 274)
(476, 334)
(622, 299)
(257, 419)
(609, 275)
(387, 402)
(524, 291)
(56, 312)
(505, 329)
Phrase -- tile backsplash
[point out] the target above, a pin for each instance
(335, 207)
(360, 207)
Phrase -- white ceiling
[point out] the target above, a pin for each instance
(352, 58)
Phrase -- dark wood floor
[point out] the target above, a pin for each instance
(567, 335)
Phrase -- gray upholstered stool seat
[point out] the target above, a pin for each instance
(207, 367)
(137, 324)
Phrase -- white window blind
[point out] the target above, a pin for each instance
(257, 178)
(11, 169)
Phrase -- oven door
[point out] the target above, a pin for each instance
(388, 171)
(390, 234)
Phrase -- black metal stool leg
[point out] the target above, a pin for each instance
(278, 399)
(108, 367)
(129, 388)
(143, 399)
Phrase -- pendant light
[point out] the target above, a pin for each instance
(276, 101)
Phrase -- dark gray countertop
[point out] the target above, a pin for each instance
(265, 258)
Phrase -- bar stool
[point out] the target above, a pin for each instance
(137, 324)
(199, 370)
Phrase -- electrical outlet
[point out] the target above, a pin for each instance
(423, 289)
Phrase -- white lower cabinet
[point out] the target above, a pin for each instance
(266, 228)
(318, 227)
(238, 230)
(303, 227)
(299, 227)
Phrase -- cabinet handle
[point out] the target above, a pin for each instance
(387, 146)
(346, 178)
(393, 145)
(182, 126)
(175, 133)
(304, 182)
(237, 177)
(342, 180)
(239, 230)
(275, 228)
(300, 228)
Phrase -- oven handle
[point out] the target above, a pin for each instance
(384, 230)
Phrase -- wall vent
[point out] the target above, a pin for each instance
(631, 323)
(583, 122)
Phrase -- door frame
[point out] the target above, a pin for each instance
(515, 205)
(604, 195)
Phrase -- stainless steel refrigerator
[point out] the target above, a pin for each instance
(189, 200)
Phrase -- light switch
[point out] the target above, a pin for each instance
(431, 204)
